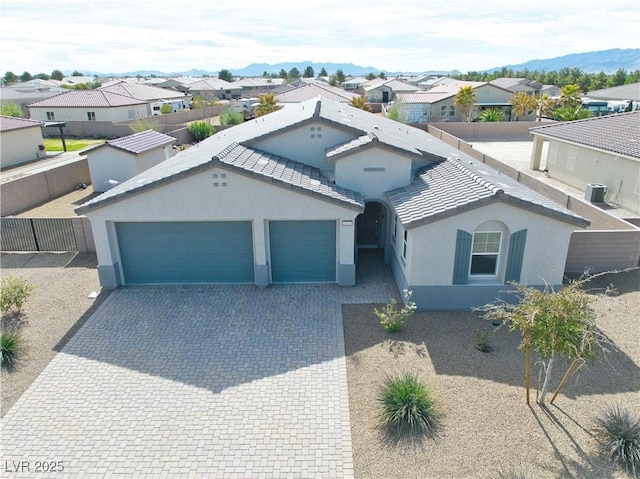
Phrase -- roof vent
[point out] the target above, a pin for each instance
(376, 127)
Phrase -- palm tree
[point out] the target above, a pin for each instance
(544, 106)
(266, 104)
(570, 95)
(570, 113)
(522, 104)
(491, 114)
(466, 99)
(361, 103)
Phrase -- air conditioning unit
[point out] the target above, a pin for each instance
(595, 192)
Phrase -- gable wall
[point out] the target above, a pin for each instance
(20, 146)
(373, 171)
(115, 113)
(107, 163)
(303, 144)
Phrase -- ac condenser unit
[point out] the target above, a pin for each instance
(595, 192)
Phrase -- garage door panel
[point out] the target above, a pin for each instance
(303, 251)
(186, 252)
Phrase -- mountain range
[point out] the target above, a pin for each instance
(607, 61)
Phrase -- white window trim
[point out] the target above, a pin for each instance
(404, 245)
(394, 234)
(498, 259)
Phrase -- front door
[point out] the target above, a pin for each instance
(370, 226)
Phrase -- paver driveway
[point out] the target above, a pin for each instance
(195, 381)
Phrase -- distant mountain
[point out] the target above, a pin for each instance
(607, 61)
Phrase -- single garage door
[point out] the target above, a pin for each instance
(186, 252)
(303, 251)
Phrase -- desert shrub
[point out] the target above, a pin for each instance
(14, 292)
(392, 317)
(521, 473)
(166, 108)
(620, 433)
(407, 405)
(231, 117)
(483, 341)
(10, 349)
(143, 124)
(201, 130)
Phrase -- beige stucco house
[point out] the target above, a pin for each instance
(594, 153)
(301, 194)
(120, 159)
(20, 141)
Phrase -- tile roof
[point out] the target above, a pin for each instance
(87, 98)
(308, 91)
(361, 141)
(278, 170)
(630, 91)
(144, 92)
(618, 133)
(9, 123)
(452, 186)
(141, 142)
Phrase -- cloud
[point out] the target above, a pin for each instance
(407, 35)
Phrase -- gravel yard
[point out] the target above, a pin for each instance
(486, 426)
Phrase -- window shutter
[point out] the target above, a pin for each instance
(516, 253)
(463, 257)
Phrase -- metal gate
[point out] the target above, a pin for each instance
(37, 234)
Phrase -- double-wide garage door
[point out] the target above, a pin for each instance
(186, 252)
(222, 252)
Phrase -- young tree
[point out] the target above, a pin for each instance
(323, 73)
(57, 75)
(76, 73)
(166, 108)
(26, 76)
(225, 75)
(544, 106)
(282, 73)
(396, 112)
(382, 75)
(570, 95)
(308, 72)
(370, 76)
(465, 100)
(43, 76)
(555, 324)
(201, 130)
(340, 76)
(266, 104)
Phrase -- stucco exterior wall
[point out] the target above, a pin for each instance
(20, 146)
(196, 198)
(373, 171)
(312, 140)
(116, 113)
(579, 166)
(431, 248)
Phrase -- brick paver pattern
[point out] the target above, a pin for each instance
(222, 381)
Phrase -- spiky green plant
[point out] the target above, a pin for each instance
(408, 406)
(620, 433)
(10, 349)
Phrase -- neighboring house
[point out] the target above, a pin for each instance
(118, 160)
(352, 84)
(309, 90)
(20, 141)
(23, 96)
(73, 81)
(383, 91)
(300, 194)
(214, 88)
(517, 85)
(252, 87)
(89, 105)
(619, 96)
(596, 151)
(155, 96)
(438, 103)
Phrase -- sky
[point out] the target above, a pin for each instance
(392, 35)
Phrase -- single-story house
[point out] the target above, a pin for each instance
(599, 155)
(153, 95)
(518, 85)
(214, 88)
(89, 105)
(20, 141)
(352, 84)
(309, 90)
(252, 87)
(300, 194)
(120, 159)
(380, 90)
(438, 103)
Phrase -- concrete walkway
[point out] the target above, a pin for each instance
(224, 381)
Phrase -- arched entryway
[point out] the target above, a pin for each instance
(371, 229)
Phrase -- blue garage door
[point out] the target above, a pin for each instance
(303, 251)
(186, 252)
